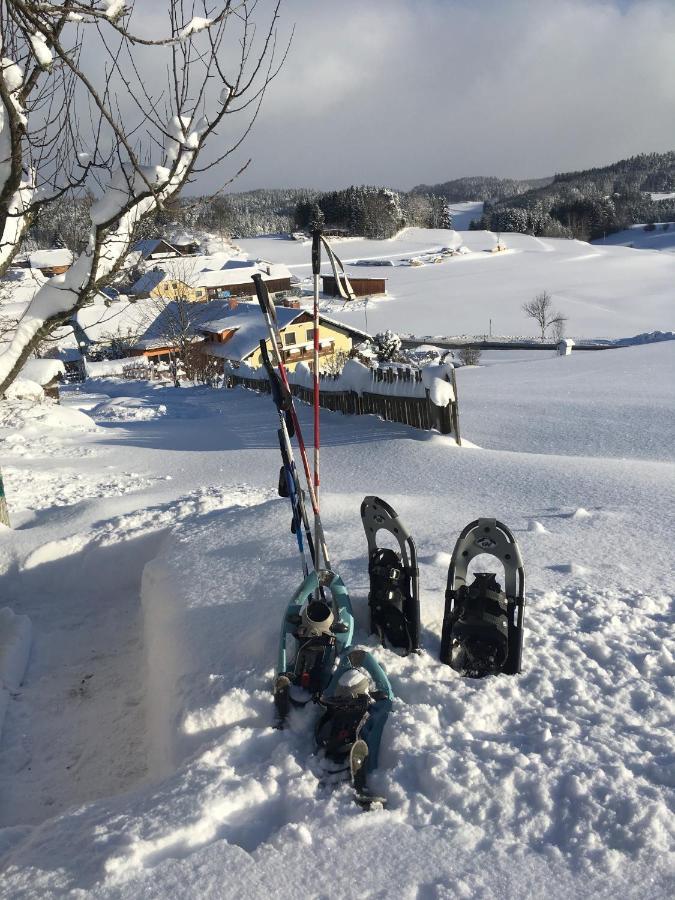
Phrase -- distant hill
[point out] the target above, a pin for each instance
(589, 203)
(480, 187)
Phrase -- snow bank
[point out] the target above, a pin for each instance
(15, 642)
(106, 367)
(25, 389)
(183, 610)
(437, 381)
(128, 409)
(43, 370)
(42, 417)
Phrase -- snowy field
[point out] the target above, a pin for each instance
(636, 237)
(154, 559)
(605, 291)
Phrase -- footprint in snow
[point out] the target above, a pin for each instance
(570, 568)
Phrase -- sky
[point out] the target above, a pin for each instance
(402, 92)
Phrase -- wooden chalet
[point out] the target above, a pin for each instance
(362, 287)
(156, 248)
(234, 280)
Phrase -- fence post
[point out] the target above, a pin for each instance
(455, 409)
(4, 512)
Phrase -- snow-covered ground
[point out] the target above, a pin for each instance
(605, 292)
(635, 237)
(154, 560)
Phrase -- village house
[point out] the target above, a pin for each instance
(186, 244)
(51, 262)
(235, 335)
(234, 280)
(362, 287)
(155, 248)
(156, 284)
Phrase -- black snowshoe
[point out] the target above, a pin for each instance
(483, 624)
(394, 578)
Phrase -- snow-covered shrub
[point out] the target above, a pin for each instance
(387, 346)
(469, 356)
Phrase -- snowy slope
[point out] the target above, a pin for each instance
(662, 238)
(606, 292)
(154, 560)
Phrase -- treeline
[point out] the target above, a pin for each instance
(372, 212)
(480, 187)
(591, 203)
(251, 213)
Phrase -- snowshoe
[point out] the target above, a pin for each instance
(313, 634)
(483, 624)
(348, 734)
(394, 578)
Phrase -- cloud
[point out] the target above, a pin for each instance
(405, 92)
(399, 92)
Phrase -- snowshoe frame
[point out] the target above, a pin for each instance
(400, 627)
(492, 537)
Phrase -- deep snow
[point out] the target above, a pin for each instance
(154, 559)
(605, 291)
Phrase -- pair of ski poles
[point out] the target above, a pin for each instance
(289, 424)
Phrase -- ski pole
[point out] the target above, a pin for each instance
(316, 269)
(282, 400)
(269, 315)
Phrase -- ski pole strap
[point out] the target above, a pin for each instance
(264, 299)
(343, 288)
(283, 399)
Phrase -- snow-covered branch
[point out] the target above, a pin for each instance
(200, 92)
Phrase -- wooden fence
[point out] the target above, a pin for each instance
(416, 411)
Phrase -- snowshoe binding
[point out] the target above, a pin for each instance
(348, 734)
(483, 624)
(313, 634)
(394, 578)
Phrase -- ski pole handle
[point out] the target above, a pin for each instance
(316, 251)
(264, 299)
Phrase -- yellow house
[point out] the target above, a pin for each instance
(158, 284)
(236, 334)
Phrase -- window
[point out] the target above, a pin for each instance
(289, 338)
(310, 334)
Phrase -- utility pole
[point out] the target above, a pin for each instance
(490, 327)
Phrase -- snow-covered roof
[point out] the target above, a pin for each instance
(239, 263)
(45, 259)
(249, 325)
(238, 275)
(20, 285)
(187, 267)
(183, 239)
(151, 245)
(100, 321)
(148, 282)
(343, 325)
(42, 371)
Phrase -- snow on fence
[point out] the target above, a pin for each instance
(422, 398)
(140, 372)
